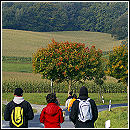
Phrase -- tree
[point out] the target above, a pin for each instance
(120, 27)
(118, 63)
(108, 17)
(66, 61)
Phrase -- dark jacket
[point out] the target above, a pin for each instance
(27, 112)
(83, 95)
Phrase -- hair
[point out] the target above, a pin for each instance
(51, 98)
(75, 96)
(83, 91)
(18, 92)
(71, 93)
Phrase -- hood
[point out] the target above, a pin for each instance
(18, 100)
(51, 109)
(83, 92)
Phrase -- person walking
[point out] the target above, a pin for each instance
(71, 102)
(68, 99)
(84, 110)
(52, 115)
(18, 111)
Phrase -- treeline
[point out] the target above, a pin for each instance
(107, 17)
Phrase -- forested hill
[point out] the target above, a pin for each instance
(65, 16)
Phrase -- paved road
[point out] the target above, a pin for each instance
(66, 124)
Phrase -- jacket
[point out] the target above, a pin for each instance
(27, 111)
(75, 111)
(51, 116)
(70, 103)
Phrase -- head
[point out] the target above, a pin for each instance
(75, 96)
(18, 92)
(83, 91)
(51, 98)
(70, 93)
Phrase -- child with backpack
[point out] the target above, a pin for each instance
(68, 99)
(71, 102)
(18, 111)
(52, 115)
(84, 110)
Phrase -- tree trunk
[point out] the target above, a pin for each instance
(70, 84)
(99, 94)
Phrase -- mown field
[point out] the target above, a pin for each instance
(24, 43)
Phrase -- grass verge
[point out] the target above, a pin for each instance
(40, 98)
(118, 118)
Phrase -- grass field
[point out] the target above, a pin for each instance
(39, 98)
(24, 43)
(118, 118)
(16, 67)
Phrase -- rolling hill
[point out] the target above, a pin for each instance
(24, 43)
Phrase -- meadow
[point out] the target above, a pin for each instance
(118, 118)
(23, 43)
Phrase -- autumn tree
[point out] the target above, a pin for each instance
(118, 63)
(67, 61)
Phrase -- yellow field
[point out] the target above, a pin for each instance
(37, 77)
(21, 76)
(24, 43)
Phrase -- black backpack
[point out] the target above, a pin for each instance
(17, 115)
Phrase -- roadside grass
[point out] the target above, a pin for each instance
(118, 118)
(40, 98)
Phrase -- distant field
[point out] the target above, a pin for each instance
(23, 43)
(37, 77)
(16, 67)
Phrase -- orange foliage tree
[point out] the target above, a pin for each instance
(67, 61)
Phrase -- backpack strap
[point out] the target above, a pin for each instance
(88, 99)
(83, 100)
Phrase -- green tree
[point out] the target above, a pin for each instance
(118, 64)
(120, 27)
(71, 62)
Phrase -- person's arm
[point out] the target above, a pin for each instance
(30, 114)
(94, 110)
(66, 104)
(42, 116)
(7, 113)
(61, 116)
(74, 111)
(69, 105)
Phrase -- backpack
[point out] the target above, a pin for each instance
(17, 115)
(85, 111)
